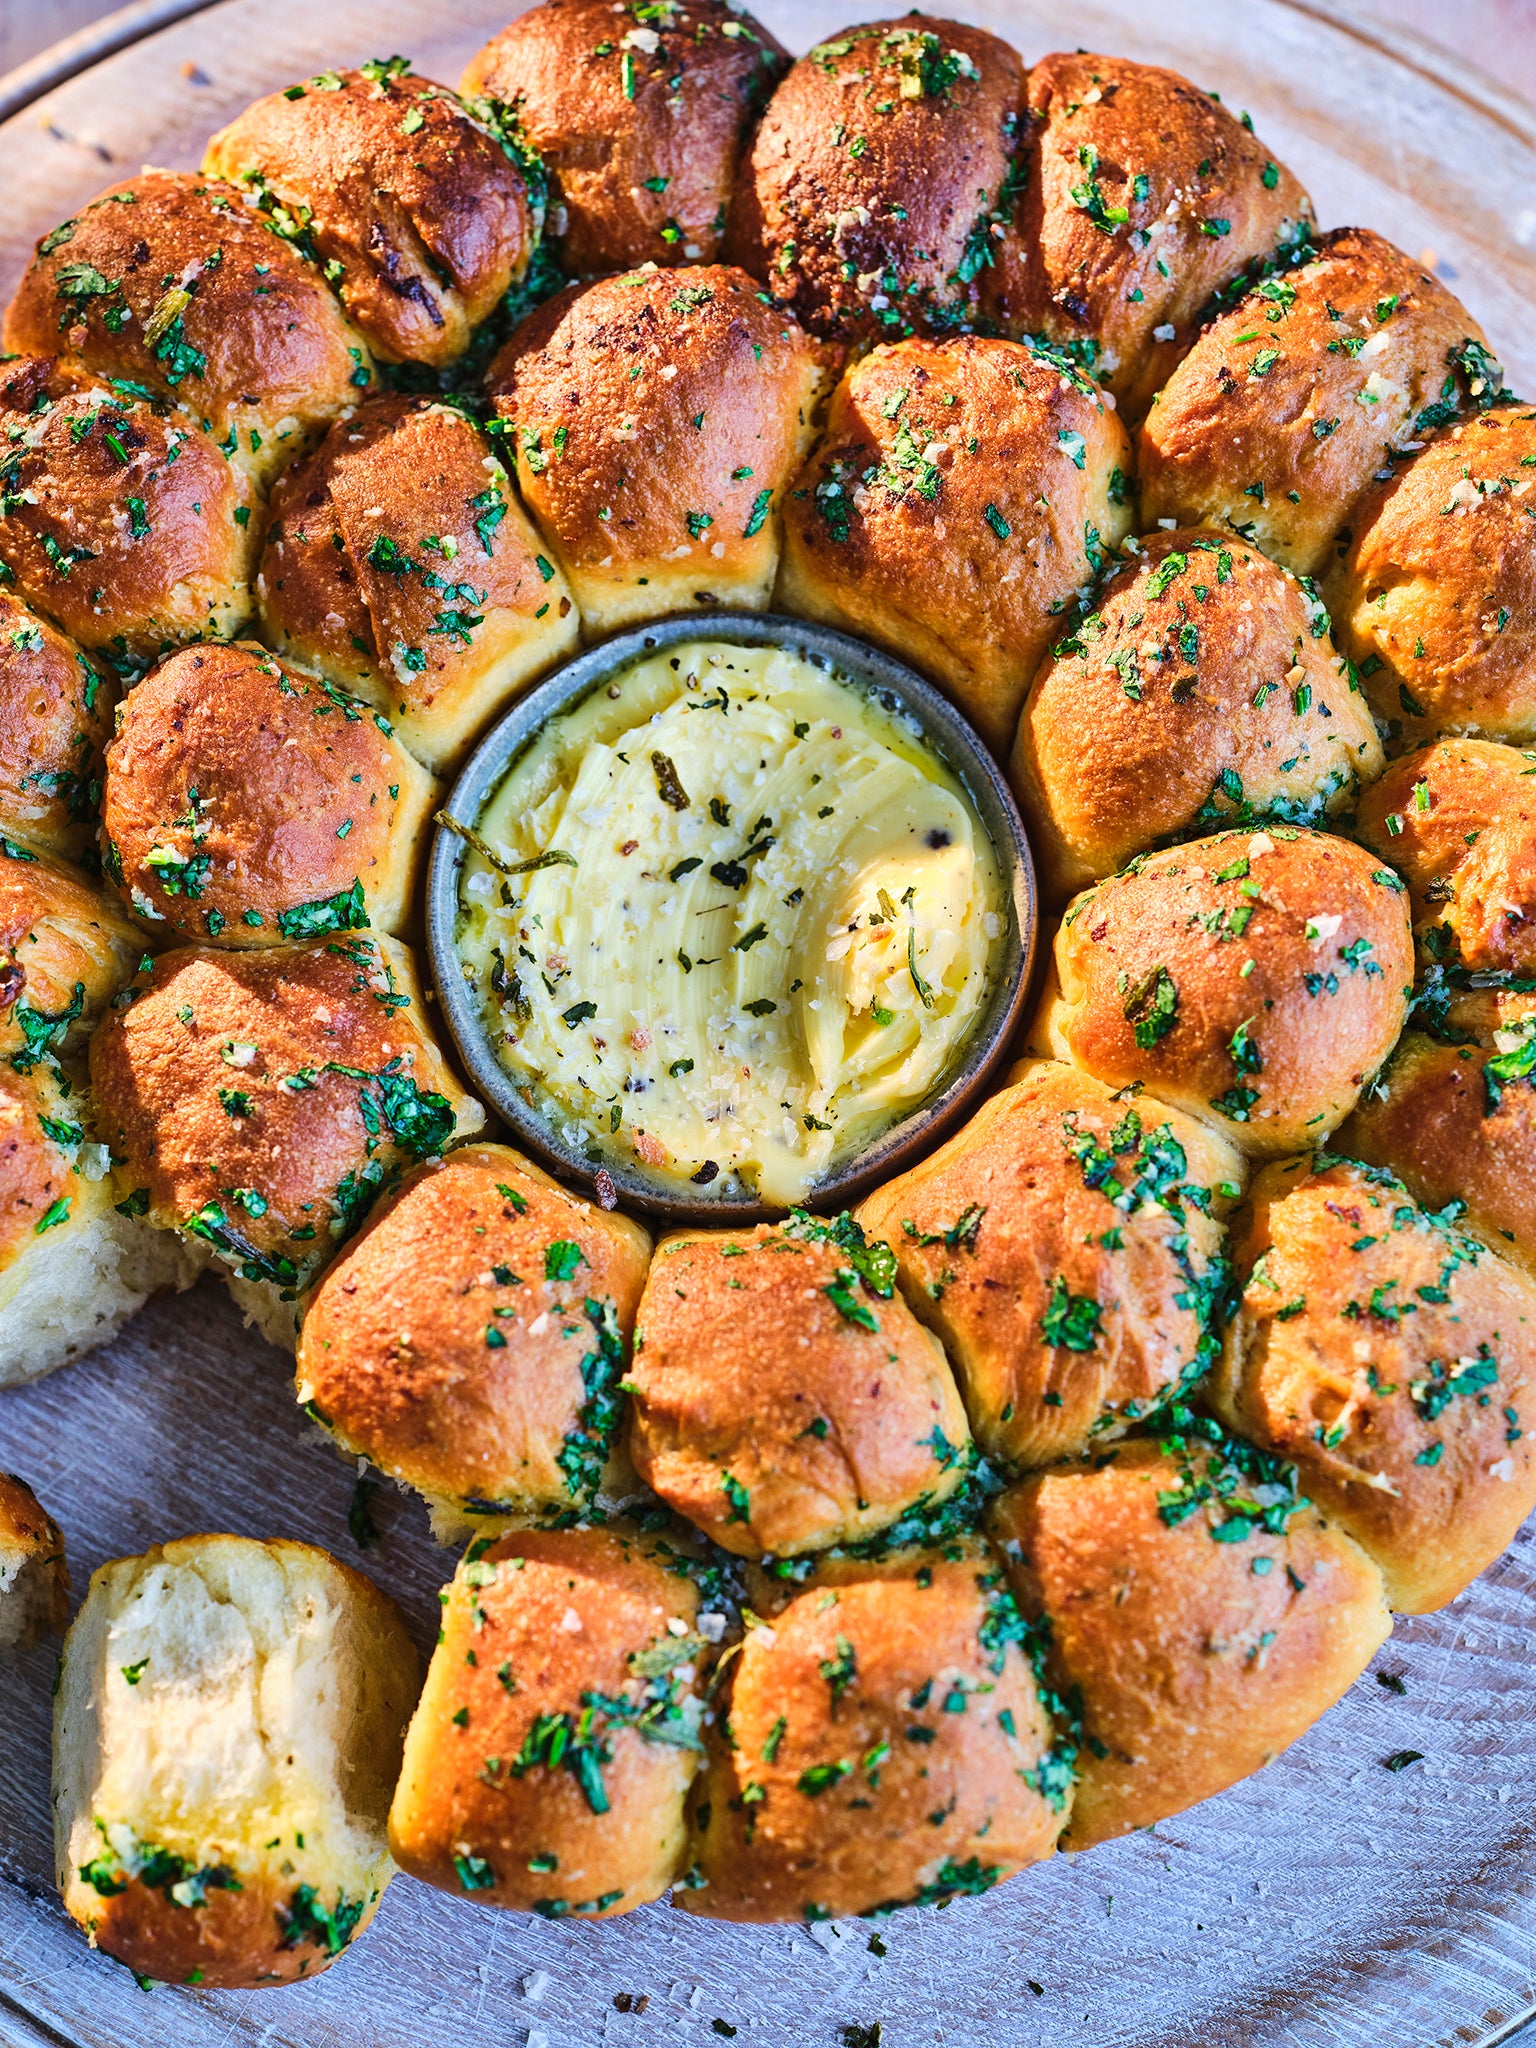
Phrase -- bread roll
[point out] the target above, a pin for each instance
(1393, 1358)
(419, 213)
(1457, 1124)
(55, 716)
(471, 1340)
(885, 1746)
(34, 1578)
(1287, 407)
(1434, 593)
(73, 1269)
(227, 1730)
(65, 951)
(657, 418)
(1458, 822)
(1256, 980)
(1197, 1613)
(1140, 196)
(639, 120)
(878, 180)
(247, 803)
(548, 1761)
(173, 281)
(1202, 690)
(399, 561)
(785, 1398)
(260, 1103)
(962, 493)
(1067, 1249)
(120, 521)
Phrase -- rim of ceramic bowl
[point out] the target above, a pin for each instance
(958, 746)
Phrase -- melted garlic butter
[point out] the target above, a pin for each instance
(776, 927)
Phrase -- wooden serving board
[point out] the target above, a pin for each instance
(1328, 1903)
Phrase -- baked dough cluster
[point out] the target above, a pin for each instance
(846, 1562)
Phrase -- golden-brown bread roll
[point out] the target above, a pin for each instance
(55, 718)
(65, 951)
(1434, 593)
(1458, 822)
(1199, 1616)
(884, 1746)
(418, 212)
(549, 1758)
(1393, 1357)
(639, 117)
(656, 419)
(1457, 1124)
(247, 803)
(471, 1340)
(227, 1731)
(1287, 407)
(119, 520)
(34, 1578)
(1067, 1248)
(1202, 689)
(261, 1102)
(398, 560)
(1140, 196)
(173, 281)
(962, 494)
(73, 1268)
(879, 178)
(785, 1398)
(1255, 979)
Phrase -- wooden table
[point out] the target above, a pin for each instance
(1499, 36)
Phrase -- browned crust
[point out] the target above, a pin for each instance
(303, 1154)
(445, 1346)
(1435, 594)
(301, 796)
(64, 947)
(856, 1659)
(777, 1415)
(1172, 917)
(961, 495)
(1455, 1133)
(1458, 822)
(398, 558)
(222, 316)
(832, 227)
(464, 1818)
(420, 217)
(649, 488)
(1027, 1192)
(235, 1941)
(1195, 1667)
(55, 719)
(25, 1522)
(43, 1580)
(38, 1185)
(1181, 679)
(1313, 419)
(1174, 163)
(136, 555)
(1360, 1347)
(642, 155)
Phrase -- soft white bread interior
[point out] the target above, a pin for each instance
(227, 1733)
(73, 1268)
